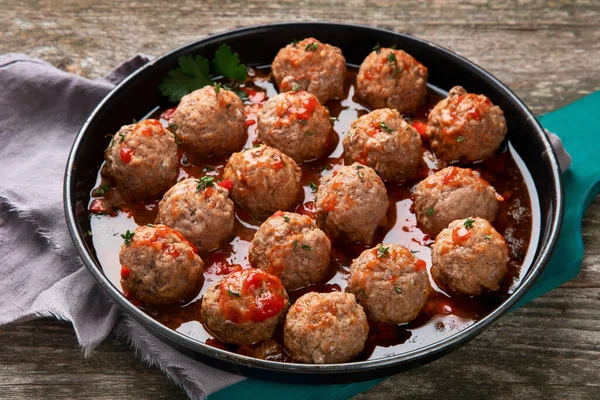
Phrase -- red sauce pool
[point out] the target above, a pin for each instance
(443, 315)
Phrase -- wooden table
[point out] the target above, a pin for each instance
(548, 52)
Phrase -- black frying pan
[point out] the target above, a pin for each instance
(139, 94)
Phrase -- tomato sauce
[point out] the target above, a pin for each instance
(442, 316)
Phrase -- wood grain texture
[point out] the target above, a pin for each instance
(547, 51)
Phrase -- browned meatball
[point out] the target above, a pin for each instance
(325, 328)
(352, 203)
(392, 78)
(385, 142)
(390, 283)
(291, 246)
(245, 307)
(296, 124)
(159, 266)
(264, 180)
(208, 122)
(313, 66)
(451, 194)
(200, 210)
(141, 160)
(469, 257)
(466, 127)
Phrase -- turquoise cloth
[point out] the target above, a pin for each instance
(578, 125)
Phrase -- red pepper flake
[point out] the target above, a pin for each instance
(449, 177)
(167, 114)
(125, 272)
(226, 183)
(126, 154)
(421, 128)
(250, 122)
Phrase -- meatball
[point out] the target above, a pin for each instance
(325, 328)
(313, 66)
(210, 122)
(451, 194)
(264, 180)
(200, 210)
(141, 160)
(392, 78)
(296, 124)
(469, 256)
(245, 307)
(390, 283)
(466, 127)
(293, 248)
(385, 142)
(159, 266)
(351, 203)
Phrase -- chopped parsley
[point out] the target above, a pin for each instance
(382, 251)
(469, 223)
(360, 174)
(311, 47)
(172, 128)
(127, 236)
(392, 58)
(306, 247)
(286, 218)
(386, 128)
(204, 182)
(460, 139)
(398, 290)
(295, 87)
(313, 187)
(178, 140)
(377, 48)
(327, 167)
(194, 72)
(122, 136)
(308, 133)
(430, 211)
(397, 70)
(232, 293)
(414, 251)
(295, 43)
(101, 190)
(217, 88)
(294, 244)
(488, 237)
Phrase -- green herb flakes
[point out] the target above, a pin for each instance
(430, 211)
(377, 48)
(313, 187)
(382, 251)
(127, 236)
(204, 182)
(311, 47)
(469, 223)
(386, 128)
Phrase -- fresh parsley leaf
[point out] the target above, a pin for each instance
(204, 182)
(101, 190)
(172, 128)
(313, 187)
(392, 58)
(306, 247)
(385, 127)
(217, 87)
(359, 167)
(127, 236)
(430, 211)
(308, 133)
(469, 223)
(377, 48)
(311, 47)
(397, 70)
(286, 218)
(295, 43)
(360, 174)
(294, 244)
(382, 251)
(414, 251)
(232, 293)
(398, 290)
(460, 139)
(227, 63)
(488, 237)
(295, 87)
(192, 74)
(122, 136)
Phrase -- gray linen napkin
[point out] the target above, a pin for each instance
(41, 275)
(41, 110)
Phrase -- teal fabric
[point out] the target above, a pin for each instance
(578, 125)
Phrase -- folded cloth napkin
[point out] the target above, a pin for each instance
(41, 274)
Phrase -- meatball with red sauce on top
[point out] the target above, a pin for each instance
(352, 203)
(465, 127)
(325, 328)
(200, 209)
(295, 123)
(453, 193)
(264, 180)
(291, 247)
(141, 160)
(390, 78)
(159, 266)
(245, 307)
(210, 121)
(385, 142)
(310, 65)
(469, 257)
(390, 283)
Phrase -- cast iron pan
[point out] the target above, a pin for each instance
(139, 94)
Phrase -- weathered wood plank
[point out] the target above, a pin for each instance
(547, 51)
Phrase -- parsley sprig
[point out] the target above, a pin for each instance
(469, 223)
(194, 72)
(386, 128)
(382, 251)
(204, 182)
(127, 236)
